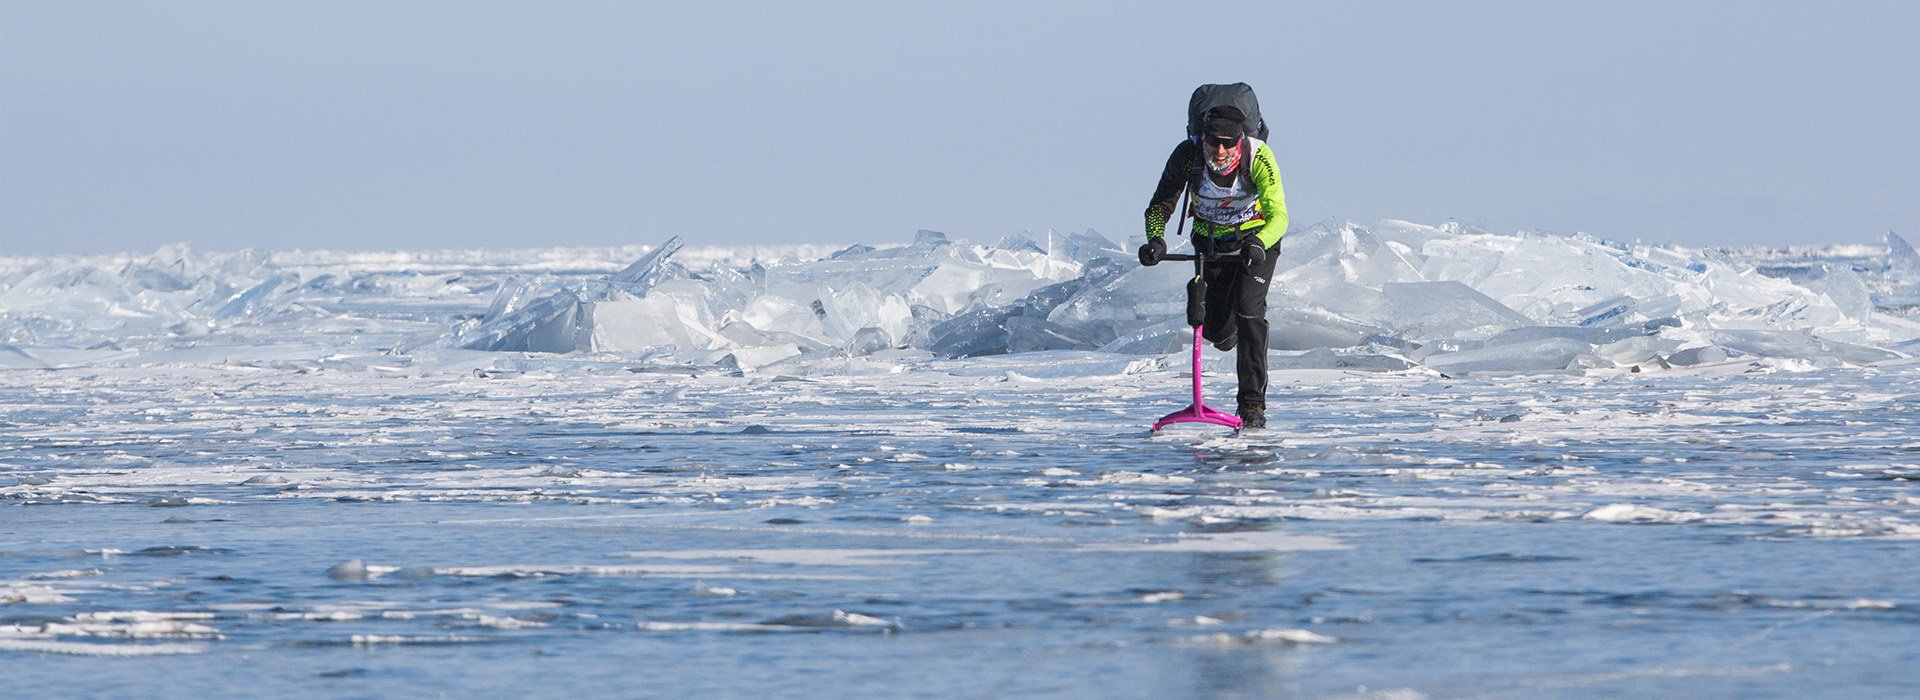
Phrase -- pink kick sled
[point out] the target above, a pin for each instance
(1199, 412)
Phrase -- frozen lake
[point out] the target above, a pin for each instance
(1498, 466)
(964, 529)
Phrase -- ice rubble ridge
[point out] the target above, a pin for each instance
(1391, 295)
(179, 296)
(1388, 296)
(175, 291)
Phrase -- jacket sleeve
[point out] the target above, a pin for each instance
(1173, 180)
(1273, 200)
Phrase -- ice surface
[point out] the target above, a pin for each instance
(376, 523)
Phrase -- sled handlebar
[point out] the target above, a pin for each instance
(1190, 256)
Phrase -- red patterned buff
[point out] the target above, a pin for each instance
(1233, 162)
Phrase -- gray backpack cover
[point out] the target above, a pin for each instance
(1237, 95)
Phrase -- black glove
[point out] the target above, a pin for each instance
(1256, 254)
(1152, 253)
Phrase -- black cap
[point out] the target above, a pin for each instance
(1226, 122)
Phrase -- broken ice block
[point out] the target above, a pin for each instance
(644, 272)
(1900, 253)
(867, 341)
(1305, 328)
(1845, 289)
(1327, 358)
(550, 324)
(1798, 344)
(855, 305)
(1531, 356)
(638, 324)
(1447, 309)
(1029, 334)
(1704, 355)
(1173, 335)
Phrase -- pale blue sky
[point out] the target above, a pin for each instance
(125, 126)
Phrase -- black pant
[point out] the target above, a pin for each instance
(1237, 307)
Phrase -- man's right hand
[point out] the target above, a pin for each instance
(1256, 253)
(1153, 252)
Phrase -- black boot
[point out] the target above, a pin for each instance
(1253, 417)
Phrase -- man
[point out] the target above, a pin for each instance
(1237, 205)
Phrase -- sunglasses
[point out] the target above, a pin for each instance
(1222, 142)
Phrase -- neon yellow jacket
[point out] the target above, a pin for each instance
(1186, 165)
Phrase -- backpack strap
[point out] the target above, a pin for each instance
(1199, 169)
(1184, 201)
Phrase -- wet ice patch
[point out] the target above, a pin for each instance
(648, 570)
(1247, 541)
(1629, 513)
(54, 646)
(1264, 637)
(64, 574)
(370, 640)
(124, 629)
(798, 622)
(838, 619)
(802, 556)
(357, 570)
(33, 595)
(502, 622)
(1120, 477)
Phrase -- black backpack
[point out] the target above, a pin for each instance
(1236, 95)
